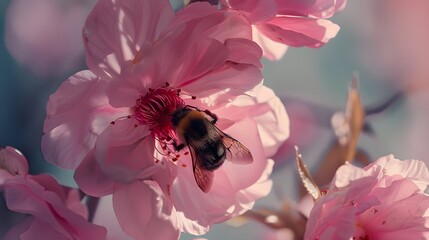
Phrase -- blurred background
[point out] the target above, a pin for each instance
(385, 42)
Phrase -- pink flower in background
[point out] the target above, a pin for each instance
(45, 36)
(385, 200)
(51, 210)
(112, 123)
(277, 24)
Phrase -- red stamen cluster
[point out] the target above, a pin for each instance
(155, 108)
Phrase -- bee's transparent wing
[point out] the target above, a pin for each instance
(203, 177)
(235, 151)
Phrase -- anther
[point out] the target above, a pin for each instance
(112, 122)
(167, 84)
(194, 97)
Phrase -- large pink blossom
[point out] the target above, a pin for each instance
(53, 211)
(277, 24)
(385, 200)
(112, 123)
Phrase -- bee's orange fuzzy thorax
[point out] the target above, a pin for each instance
(184, 123)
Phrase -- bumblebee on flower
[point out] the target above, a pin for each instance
(146, 64)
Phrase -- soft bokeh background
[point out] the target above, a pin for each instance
(384, 41)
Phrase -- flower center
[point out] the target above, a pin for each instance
(155, 108)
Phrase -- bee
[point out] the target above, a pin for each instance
(208, 145)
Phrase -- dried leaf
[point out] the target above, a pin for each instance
(306, 179)
(343, 149)
(355, 116)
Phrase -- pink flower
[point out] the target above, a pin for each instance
(277, 24)
(52, 211)
(113, 123)
(385, 200)
(44, 36)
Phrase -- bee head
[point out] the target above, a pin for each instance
(178, 115)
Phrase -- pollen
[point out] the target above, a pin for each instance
(155, 108)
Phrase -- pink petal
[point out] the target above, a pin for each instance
(207, 45)
(298, 32)
(232, 80)
(122, 92)
(145, 215)
(15, 232)
(255, 10)
(189, 226)
(28, 197)
(116, 30)
(12, 162)
(346, 174)
(73, 202)
(196, 10)
(49, 183)
(316, 8)
(203, 50)
(269, 113)
(199, 59)
(209, 58)
(165, 179)
(411, 169)
(252, 140)
(246, 197)
(167, 172)
(91, 179)
(244, 51)
(206, 20)
(330, 222)
(357, 193)
(124, 150)
(271, 49)
(402, 212)
(105, 216)
(76, 114)
(40, 228)
(273, 125)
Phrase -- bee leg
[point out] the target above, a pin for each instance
(212, 115)
(178, 147)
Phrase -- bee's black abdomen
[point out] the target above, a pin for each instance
(214, 155)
